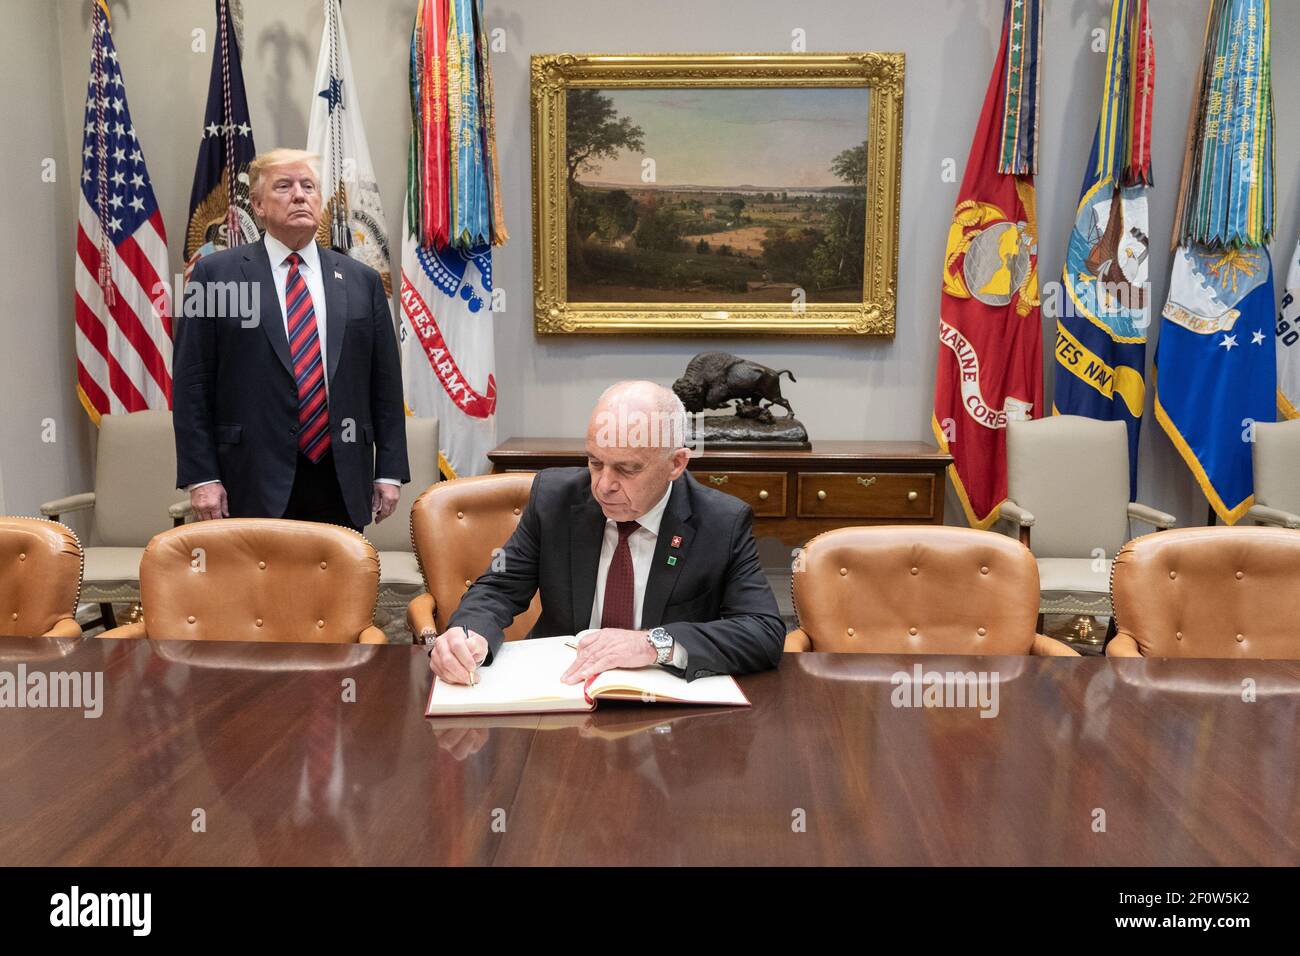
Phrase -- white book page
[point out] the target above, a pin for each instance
(524, 677)
(654, 683)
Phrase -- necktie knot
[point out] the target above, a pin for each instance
(293, 259)
(625, 528)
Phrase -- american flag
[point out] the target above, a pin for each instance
(123, 307)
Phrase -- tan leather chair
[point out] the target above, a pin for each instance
(399, 571)
(258, 579)
(1208, 592)
(1067, 482)
(40, 578)
(895, 589)
(456, 525)
(1276, 457)
(135, 482)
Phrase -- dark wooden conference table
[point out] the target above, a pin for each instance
(243, 754)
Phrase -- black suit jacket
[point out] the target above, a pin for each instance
(714, 601)
(235, 400)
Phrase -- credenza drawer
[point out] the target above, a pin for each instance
(764, 491)
(908, 495)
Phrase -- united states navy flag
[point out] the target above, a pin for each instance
(1101, 331)
(221, 215)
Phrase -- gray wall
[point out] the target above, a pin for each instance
(847, 388)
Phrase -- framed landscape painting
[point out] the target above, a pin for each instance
(707, 193)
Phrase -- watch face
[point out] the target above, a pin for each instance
(660, 638)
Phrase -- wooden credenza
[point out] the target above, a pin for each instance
(795, 494)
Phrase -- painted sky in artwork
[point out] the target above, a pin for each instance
(721, 137)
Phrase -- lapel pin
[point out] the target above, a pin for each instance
(672, 560)
(338, 275)
(677, 541)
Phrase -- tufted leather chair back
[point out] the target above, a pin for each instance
(1208, 592)
(40, 578)
(455, 526)
(260, 579)
(917, 590)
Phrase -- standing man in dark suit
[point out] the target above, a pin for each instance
(664, 569)
(290, 406)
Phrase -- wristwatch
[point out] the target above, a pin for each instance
(662, 642)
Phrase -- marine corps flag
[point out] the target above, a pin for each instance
(1101, 332)
(452, 219)
(221, 215)
(990, 359)
(353, 220)
(1216, 361)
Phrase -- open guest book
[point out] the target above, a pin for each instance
(524, 678)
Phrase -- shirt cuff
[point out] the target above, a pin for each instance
(388, 481)
(200, 484)
(679, 655)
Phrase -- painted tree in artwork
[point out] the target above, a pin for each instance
(593, 131)
(838, 260)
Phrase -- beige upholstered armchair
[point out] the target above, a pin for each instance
(1277, 474)
(135, 481)
(1067, 483)
(399, 571)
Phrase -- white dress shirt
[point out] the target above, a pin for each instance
(309, 269)
(641, 543)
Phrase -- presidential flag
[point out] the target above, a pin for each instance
(1288, 343)
(1216, 361)
(123, 303)
(1101, 332)
(221, 214)
(451, 219)
(990, 361)
(353, 220)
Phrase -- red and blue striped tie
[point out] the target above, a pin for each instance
(308, 368)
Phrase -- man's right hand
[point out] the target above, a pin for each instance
(209, 501)
(456, 653)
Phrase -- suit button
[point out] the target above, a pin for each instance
(293, 430)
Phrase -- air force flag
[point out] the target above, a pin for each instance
(1216, 367)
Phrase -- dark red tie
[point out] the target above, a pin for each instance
(308, 369)
(620, 583)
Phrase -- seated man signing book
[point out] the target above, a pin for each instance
(663, 568)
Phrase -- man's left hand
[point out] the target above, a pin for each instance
(383, 500)
(608, 648)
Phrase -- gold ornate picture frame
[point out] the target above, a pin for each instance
(556, 80)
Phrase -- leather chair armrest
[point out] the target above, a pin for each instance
(1152, 516)
(1273, 516)
(180, 511)
(419, 616)
(136, 630)
(1045, 646)
(797, 641)
(63, 506)
(1015, 514)
(372, 635)
(64, 627)
(1123, 645)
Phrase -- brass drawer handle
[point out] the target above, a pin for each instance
(821, 496)
(866, 482)
(762, 495)
(912, 496)
(718, 479)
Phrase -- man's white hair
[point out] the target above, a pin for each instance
(666, 408)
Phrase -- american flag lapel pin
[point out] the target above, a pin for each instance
(337, 274)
